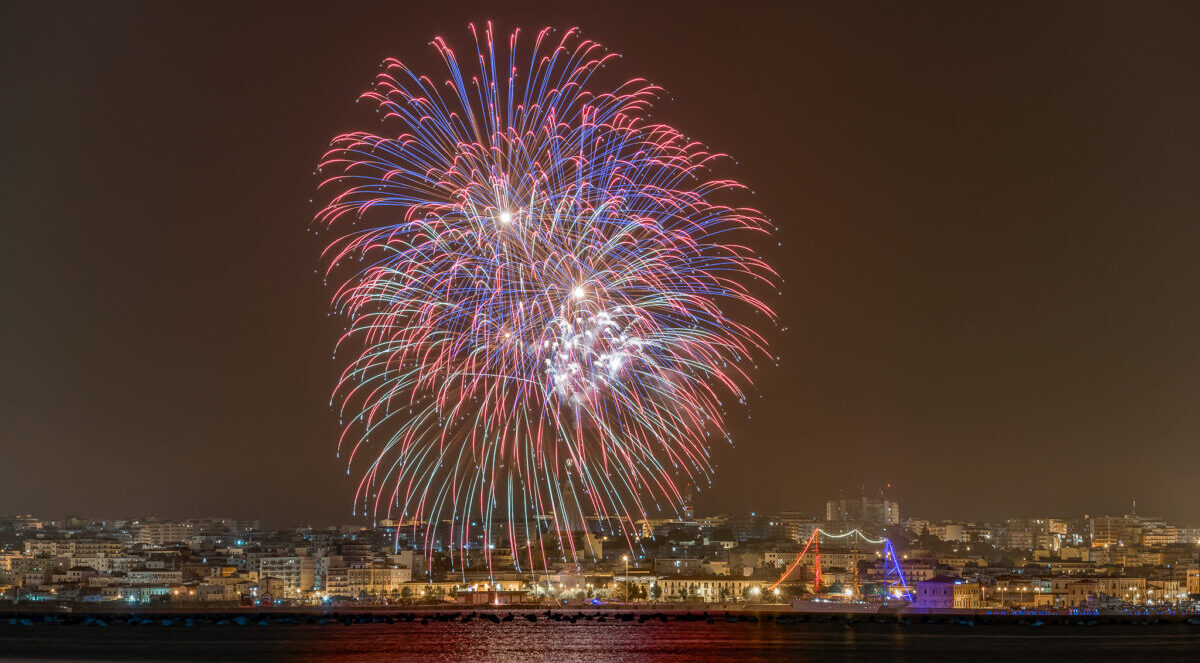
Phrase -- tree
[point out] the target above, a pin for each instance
(656, 591)
(406, 593)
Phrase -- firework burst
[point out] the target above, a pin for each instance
(538, 283)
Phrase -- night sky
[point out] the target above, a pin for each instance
(990, 216)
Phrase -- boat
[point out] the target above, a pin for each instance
(835, 606)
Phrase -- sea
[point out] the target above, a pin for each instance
(592, 640)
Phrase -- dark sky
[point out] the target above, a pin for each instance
(990, 215)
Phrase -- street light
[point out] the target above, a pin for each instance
(625, 558)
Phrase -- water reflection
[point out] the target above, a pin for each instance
(592, 641)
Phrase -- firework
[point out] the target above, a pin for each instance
(538, 284)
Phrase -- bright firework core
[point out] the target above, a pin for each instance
(538, 284)
(586, 356)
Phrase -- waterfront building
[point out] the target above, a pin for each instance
(296, 574)
(946, 593)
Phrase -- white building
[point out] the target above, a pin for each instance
(296, 573)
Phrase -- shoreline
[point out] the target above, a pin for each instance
(101, 616)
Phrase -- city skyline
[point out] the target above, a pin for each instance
(863, 553)
(817, 511)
